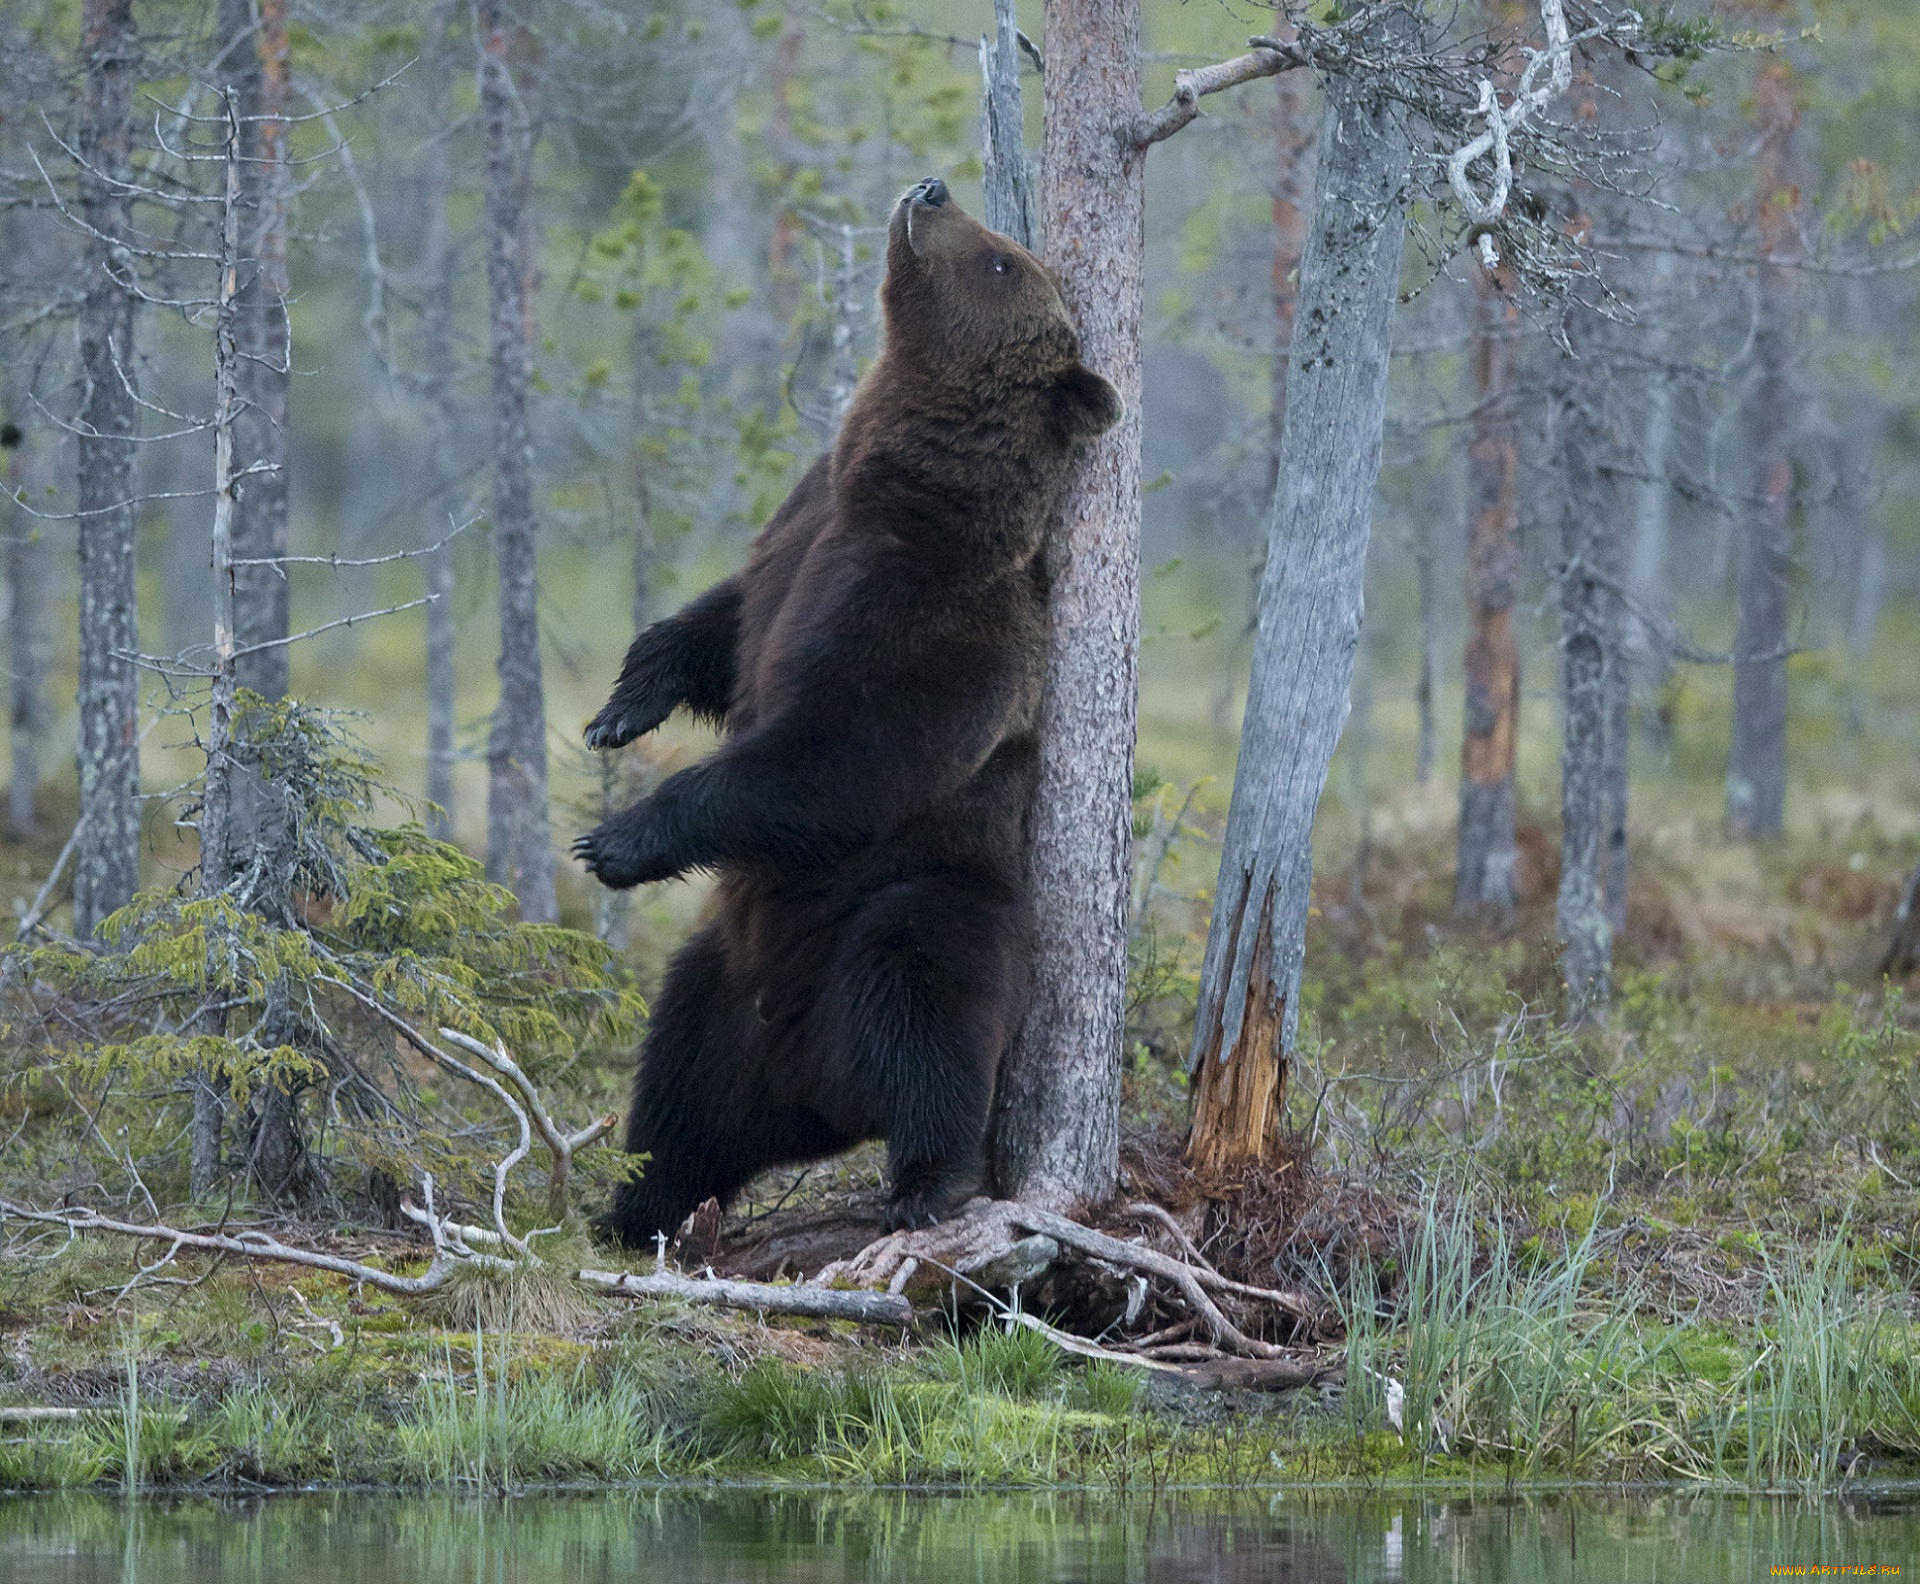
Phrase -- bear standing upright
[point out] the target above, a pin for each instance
(878, 668)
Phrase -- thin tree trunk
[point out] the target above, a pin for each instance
(1008, 180)
(1057, 1124)
(1653, 529)
(1310, 612)
(645, 550)
(1903, 951)
(519, 852)
(256, 71)
(257, 74)
(1483, 867)
(1424, 683)
(1591, 656)
(26, 658)
(216, 801)
(1863, 614)
(1757, 762)
(436, 324)
(107, 861)
(1293, 136)
(1615, 780)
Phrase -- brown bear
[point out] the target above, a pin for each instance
(877, 667)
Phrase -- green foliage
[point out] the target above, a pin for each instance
(1015, 1362)
(300, 973)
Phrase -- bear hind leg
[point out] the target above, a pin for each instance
(692, 1113)
(926, 990)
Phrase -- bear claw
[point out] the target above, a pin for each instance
(604, 733)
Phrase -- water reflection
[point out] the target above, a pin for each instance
(788, 1537)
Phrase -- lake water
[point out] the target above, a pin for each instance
(787, 1537)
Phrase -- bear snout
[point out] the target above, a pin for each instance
(932, 192)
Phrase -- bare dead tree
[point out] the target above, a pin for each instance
(1293, 145)
(26, 651)
(1757, 758)
(1008, 178)
(1592, 664)
(216, 798)
(1310, 605)
(255, 69)
(1483, 869)
(439, 260)
(107, 863)
(519, 846)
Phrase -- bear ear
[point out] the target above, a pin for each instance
(1085, 404)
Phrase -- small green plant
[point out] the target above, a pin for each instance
(1103, 1388)
(1016, 1362)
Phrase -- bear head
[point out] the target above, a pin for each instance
(971, 310)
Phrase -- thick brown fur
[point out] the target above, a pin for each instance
(878, 668)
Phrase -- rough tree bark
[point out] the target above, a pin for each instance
(26, 655)
(1293, 131)
(438, 263)
(1008, 179)
(1310, 612)
(1757, 760)
(107, 859)
(216, 798)
(1057, 1117)
(519, 850)
(1591, 658)
(256, 71)
(1483, 868)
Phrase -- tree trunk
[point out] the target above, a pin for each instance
(1757, 762)
(1591, 657)
(1293, 144)
(1008, 181)
(1424, 683)
(256, 69)
(1310, 611)
(107, 860)
(1903, 951)
(436, 326)
(644, 549)
(216, 799)
(1653, 531)
(519, 852)
(1056, 1136)
(1615, 780)
(1483, 868)
(26, 657)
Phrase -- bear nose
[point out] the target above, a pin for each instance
(932, 192)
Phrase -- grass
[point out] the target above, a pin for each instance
(495, 1432)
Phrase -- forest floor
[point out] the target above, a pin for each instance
(1682, 1245)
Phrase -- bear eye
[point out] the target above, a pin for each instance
(1001, 263)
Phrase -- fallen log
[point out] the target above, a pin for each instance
(818, 1303)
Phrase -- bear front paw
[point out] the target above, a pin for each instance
(622, 719)
(610, 729)
(625, 852)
